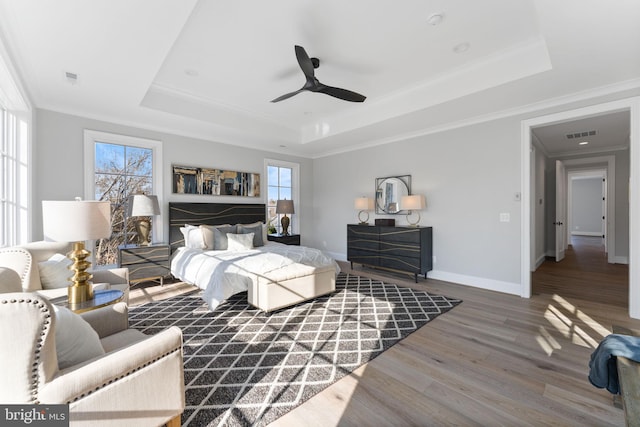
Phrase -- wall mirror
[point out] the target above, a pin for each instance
(389, 192)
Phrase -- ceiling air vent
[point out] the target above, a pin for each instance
(71, 77)
(581, 134)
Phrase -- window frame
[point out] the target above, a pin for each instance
(91, 137)
(295, 190)
(15, 157)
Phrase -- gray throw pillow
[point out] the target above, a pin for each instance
(257, 236)
(220, 242)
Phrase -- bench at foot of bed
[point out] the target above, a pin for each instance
(269, 295)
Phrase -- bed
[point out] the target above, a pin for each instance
(274, 275)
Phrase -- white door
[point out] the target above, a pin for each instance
(561, 210)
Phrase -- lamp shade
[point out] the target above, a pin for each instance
(413, 202)
(143, 205)
(363, 203)
(76, 221)
(284, 206)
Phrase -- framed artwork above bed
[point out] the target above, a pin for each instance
(215, 182)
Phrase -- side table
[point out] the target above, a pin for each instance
(145, 263)
(289, 239)
(101, 298)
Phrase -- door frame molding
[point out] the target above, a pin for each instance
(628, 104)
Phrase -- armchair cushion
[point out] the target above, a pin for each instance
(9, 281)
(54, 272)
(41, 251)
(76, 340)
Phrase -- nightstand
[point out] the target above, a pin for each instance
(145, 263)
(291, 239)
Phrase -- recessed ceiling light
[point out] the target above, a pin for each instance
(191, 72)
(435, 19)
(584, 143)
(462, 47)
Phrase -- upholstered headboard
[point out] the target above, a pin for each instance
(210, 214)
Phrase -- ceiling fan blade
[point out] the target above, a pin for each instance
(343, 94)
(305, 62)
(287, 95)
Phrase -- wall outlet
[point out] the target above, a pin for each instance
(505, 217)
(434, 260)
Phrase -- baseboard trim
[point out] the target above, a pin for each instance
(476, 282)
(587, 233)
(462, 279)
(542, 258)
(621, 260)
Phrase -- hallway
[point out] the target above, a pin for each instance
(584, 274)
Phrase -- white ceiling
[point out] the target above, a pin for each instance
(596, 134)
(209, 68)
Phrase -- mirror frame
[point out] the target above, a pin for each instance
(404, 180)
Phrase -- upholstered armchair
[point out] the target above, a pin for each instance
(30, 260)
(136, 380)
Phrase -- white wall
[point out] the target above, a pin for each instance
(539, 204)
(58, 159)
(469, 176)
(586, 206)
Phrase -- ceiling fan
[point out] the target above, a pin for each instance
(313, 85)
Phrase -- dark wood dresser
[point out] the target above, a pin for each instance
(400, 249)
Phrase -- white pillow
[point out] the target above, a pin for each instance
(76, 341)
(192, 237)
(240, 242)
(54, 272)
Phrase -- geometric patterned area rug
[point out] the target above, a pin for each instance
(245, 367)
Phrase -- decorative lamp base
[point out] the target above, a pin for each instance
(81, 289)
(285, 225)
(413, 224)
(79, 294)
(363, 221)
(143, 226)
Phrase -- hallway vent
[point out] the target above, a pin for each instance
(581, 134)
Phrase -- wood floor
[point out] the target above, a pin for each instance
(584, 273)
(495, 359)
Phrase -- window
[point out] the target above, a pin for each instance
(282, 183)
(14, 160)
(119, 167)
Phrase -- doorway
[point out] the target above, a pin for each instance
(584, 274)
(631, 107)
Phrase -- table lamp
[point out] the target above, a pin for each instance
(77, 221)
(364, 204)
(413, 202)
(143, 206)
(284, 207)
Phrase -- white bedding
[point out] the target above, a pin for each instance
(222, 274)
